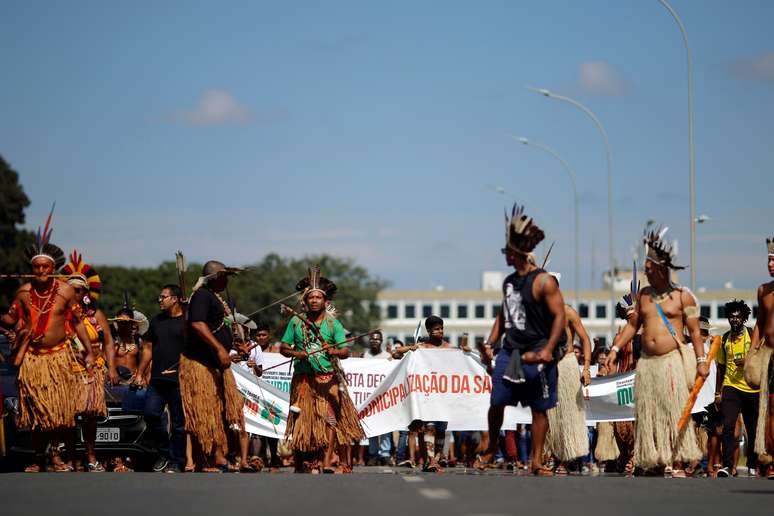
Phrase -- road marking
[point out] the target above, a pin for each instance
(436, 494)
(411, 478)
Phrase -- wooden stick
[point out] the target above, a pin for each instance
(683, 423)
(324, 348)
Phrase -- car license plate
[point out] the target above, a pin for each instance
(108, 435)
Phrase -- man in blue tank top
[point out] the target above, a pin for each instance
(531, 324)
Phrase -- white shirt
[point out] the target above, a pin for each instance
(256, 355)
(382, 354)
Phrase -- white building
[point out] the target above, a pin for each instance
(473, 311)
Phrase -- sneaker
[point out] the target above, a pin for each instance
(752, 472)
(406, 464)
(160, 464)
(172, 468)
(770, 473)
(723, 473)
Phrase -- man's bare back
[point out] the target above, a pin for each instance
(656, 337)
(765, 317)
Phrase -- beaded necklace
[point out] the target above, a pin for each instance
(41, 306)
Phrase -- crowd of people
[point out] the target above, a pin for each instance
(538, 355)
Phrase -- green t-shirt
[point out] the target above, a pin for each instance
(319, 362)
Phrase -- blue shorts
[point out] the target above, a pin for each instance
(538, 392)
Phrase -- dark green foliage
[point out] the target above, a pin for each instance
(269, 280)
(13, 240)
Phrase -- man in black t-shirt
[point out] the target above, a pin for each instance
(211, 401)
(164, 341)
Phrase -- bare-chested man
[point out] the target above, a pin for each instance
(764, 327)
(47, 389)
(567, 435)
(663, 380)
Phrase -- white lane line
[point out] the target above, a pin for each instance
(436, 494)
(411, 479)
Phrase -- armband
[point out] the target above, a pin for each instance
(702, 360)
(691, 312)
(616, 349)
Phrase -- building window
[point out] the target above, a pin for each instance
(495, 310)
(601, 311)
(601, 341)
(392, 339)
(462, 311)
(392, 311)
(479, 341)
(583, 311)
(705, 311)
(445, 311)
(459, 340)
(409, 340)
(427, 310)
(722, 311)
(480, 311)
(411, 311)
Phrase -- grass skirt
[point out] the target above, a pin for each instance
(47, 391)
(568, 436)
(211, 404)
(90, 390)
(763, 411)
(660, 393)
(322, 405)
(607, 448)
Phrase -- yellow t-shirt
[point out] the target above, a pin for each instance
(730, 350)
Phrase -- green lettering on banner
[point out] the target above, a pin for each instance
(626, 396)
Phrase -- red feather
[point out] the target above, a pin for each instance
(46, 232)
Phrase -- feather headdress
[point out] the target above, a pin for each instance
(770, 245)
(315, 281)
(659, 249)
(43, 248)
(83, 273)
(521, 233)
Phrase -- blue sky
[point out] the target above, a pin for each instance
(379, 130)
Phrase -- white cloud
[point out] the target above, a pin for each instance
(601, 78)
(216, 107)
(760, 68)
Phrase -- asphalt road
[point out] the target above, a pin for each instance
(375, 492)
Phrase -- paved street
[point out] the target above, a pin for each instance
(378, 491)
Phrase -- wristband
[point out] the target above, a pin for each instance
(615, 348)
(702, 360)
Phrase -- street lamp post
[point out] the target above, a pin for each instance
(590, 114)
(691, 152)
(573, 179)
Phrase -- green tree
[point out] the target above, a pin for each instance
(271, 279)
(13, 240)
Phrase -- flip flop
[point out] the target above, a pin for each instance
(33, 468)
(543, 471)
(95, 467)
(483, 465)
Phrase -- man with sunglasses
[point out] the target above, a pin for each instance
(164, 341)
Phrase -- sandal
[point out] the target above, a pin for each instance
(63, 468)
(189, 469)
(95, 467)
(560, 471)
(543, 471)
(483, 465)
(677, 473)
(33, 468)
(120, 467)
(629, 468)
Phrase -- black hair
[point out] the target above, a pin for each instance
(212, 267)
(397, 342)
(737, 305)
(377, 332)
(125, 311)
(433, 321)
(262, 326)
(174, 290)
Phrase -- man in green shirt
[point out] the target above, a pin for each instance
(322, 417)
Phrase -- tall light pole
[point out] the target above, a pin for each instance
(691, 151)
(590, 114)
(573, 179)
